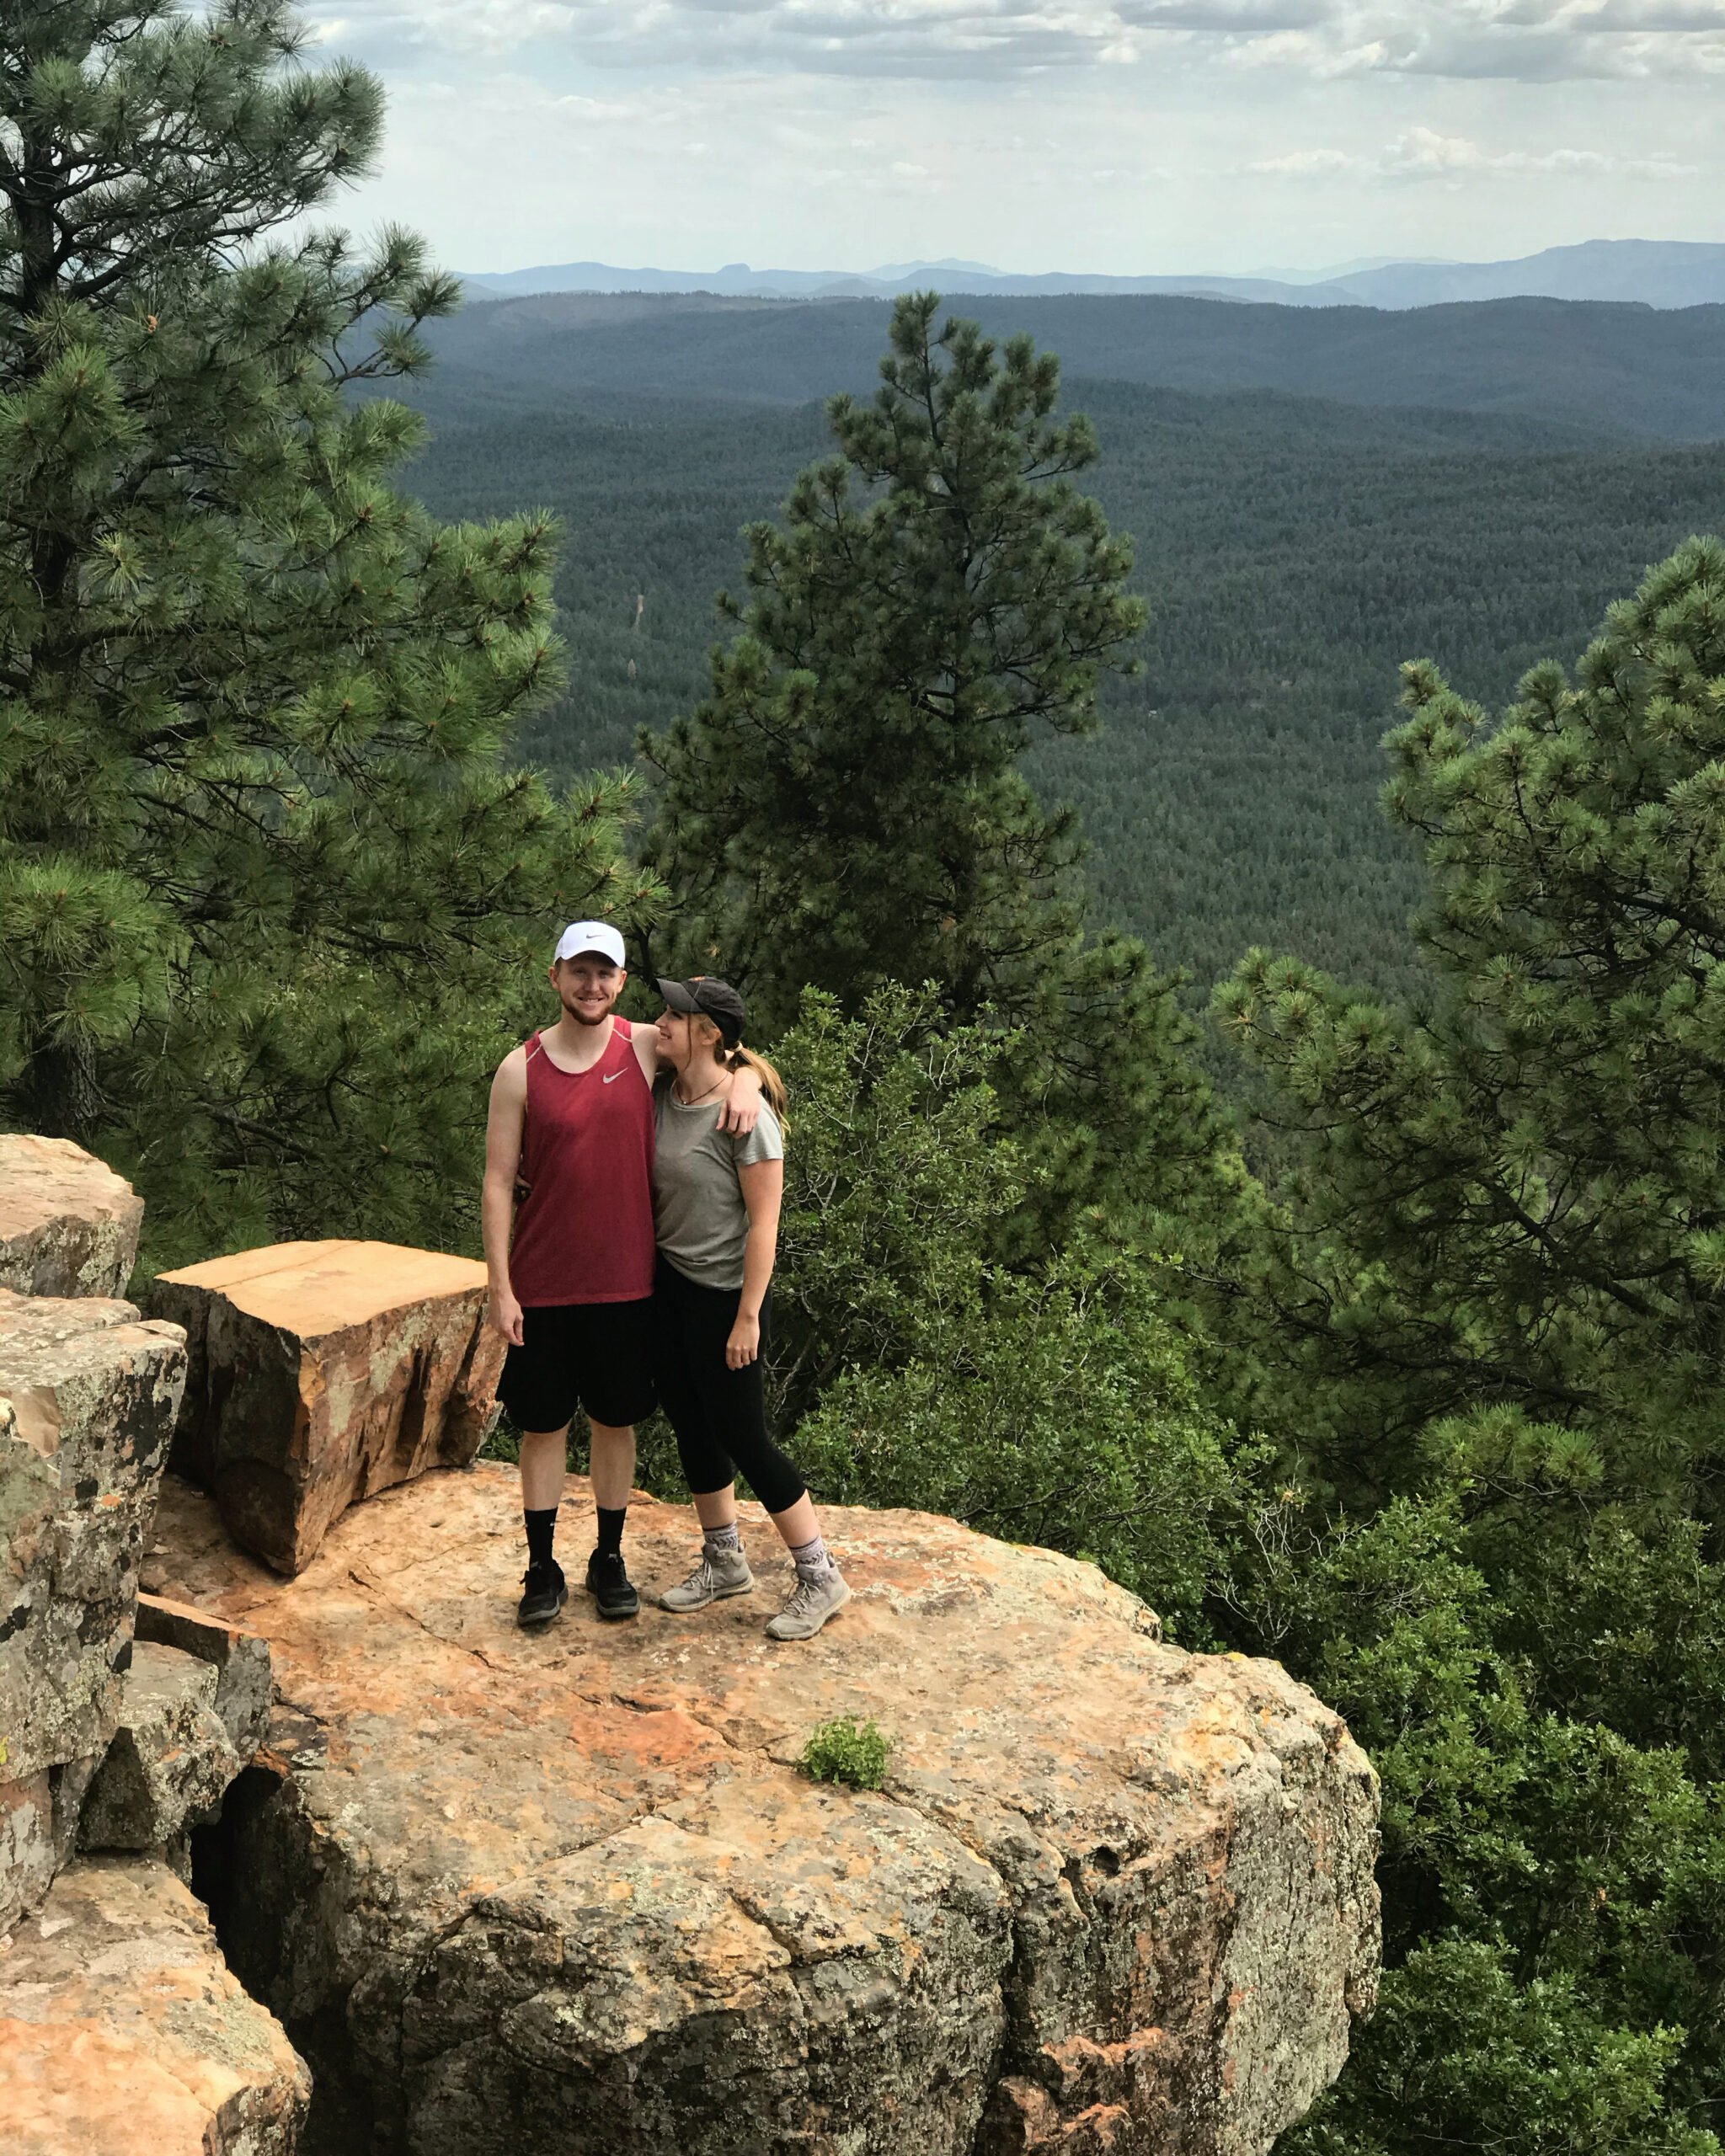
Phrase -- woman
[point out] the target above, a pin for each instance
(715, 1209)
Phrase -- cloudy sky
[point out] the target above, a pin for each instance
(1117, 136)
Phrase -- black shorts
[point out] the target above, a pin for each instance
(597, 1356)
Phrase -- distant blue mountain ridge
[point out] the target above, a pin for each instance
(1644, 272)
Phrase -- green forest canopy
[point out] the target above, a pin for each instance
(1294, 550)
(1603, 368)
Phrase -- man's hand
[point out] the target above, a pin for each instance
(503, 1313)
(741, 1110)
(744, 1342)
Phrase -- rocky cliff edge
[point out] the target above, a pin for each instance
(569, 1891)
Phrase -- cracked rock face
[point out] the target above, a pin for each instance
(68, 1225)
(569, 1891)
(121, 2031)
(321, 1373)
(88, 1397)
(170, 1759)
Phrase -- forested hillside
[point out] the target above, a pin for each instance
(1604, 367)
(1294, 551)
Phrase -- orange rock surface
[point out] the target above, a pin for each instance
(68, 1225)
(121, 2033)
(321, 1373)
(569, 1891)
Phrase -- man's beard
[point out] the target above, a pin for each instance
(581, 1017)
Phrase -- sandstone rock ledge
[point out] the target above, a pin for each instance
(121, 2034)
(567, 1893)
(68, 1225)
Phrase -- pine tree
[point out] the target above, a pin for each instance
(267, 891)
(1491, 1328)
(845, 808)
(1512, 1196)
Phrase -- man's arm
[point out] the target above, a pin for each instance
(741, 1108)
(497, 1202)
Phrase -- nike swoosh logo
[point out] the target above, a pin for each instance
(610, 1075)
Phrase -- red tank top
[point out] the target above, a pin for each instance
(584, 1231)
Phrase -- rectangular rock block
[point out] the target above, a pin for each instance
(170, 1760)
(88, 1397)
(243, 1685)
(122, 2031)
(68, 1225)
(321, 1373)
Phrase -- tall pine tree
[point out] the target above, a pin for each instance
(267, 891)
(845, 808)
(1512, 1194)
(1491, 1328)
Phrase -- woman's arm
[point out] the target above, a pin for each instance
(496, 1201)
(763, 1192)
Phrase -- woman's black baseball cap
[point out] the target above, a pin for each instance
(707, 998)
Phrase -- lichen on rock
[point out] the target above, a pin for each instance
(88, 1397)
(169, 1760)
(244, 1689)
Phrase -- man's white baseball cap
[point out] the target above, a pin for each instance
(597, 936)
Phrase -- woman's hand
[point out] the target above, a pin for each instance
(503, 1313)
(744, 1342)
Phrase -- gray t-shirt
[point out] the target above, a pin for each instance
(699, 1214)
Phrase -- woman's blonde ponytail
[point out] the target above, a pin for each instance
(772, 1087)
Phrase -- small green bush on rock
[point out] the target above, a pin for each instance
(848, 1750)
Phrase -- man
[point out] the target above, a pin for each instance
(568, 1152)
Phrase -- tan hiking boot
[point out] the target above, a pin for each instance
(720, 1572)
(812, 1602)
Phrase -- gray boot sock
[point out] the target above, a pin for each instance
(812, 1560)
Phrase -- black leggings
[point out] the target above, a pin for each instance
(719, 1414)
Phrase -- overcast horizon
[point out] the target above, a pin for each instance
(1126, 137)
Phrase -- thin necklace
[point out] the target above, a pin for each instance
(699, 1097)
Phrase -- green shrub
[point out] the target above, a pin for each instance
(846, 1751)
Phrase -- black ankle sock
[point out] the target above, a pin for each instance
(611, 1530)
(541, 1527)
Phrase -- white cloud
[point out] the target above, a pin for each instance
(1423, 153)
(1305, 164)
(1535, 40)
(1116, 135)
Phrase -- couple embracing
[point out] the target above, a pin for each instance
(633, 1182)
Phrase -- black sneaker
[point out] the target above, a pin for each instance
(609, 1584)
(547, 1592)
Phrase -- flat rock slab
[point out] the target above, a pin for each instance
(322, 1373)
(122, 2030)
(88, 1398)
(68, 1225)
(568, 1891)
